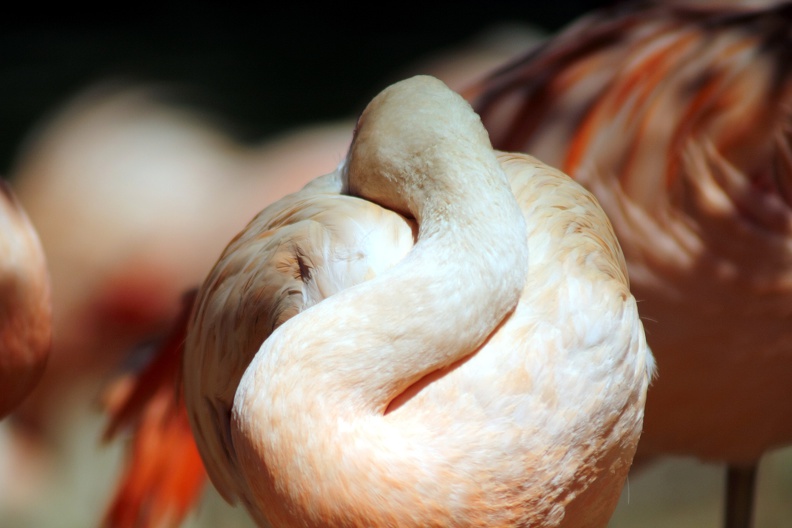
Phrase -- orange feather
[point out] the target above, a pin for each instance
(164, 475)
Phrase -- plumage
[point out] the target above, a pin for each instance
(25, 309)
(427, 359)
(677, 116)
(163, 474)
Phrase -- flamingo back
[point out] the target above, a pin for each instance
(677, 116)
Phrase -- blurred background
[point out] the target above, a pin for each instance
(233, 85)
(263, 69)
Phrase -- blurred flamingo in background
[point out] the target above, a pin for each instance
(117, 184)
(134, 198)
(678, 117)
(487, 376)
(25, 308)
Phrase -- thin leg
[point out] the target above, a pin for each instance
(740, 482)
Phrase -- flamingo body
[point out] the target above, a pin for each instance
(448, 339)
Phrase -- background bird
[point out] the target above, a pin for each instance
(677, 116)
(405, 391)
(134, 195)
(119, 183)
(25, 308)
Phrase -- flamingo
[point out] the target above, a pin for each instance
(677, 116)
(434, 334)
(25, 309)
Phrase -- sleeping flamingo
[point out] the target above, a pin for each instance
(678, 117)
(434, 334)
(25, 310)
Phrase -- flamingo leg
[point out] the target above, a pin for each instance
(740, 484)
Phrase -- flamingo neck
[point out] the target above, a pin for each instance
(420, 150)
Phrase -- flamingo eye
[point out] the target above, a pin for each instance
(305, 268)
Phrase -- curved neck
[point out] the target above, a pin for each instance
(346, 358)
(420, 150)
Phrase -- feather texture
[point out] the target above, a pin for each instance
(486, 375)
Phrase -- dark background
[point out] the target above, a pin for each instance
(261, 69)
